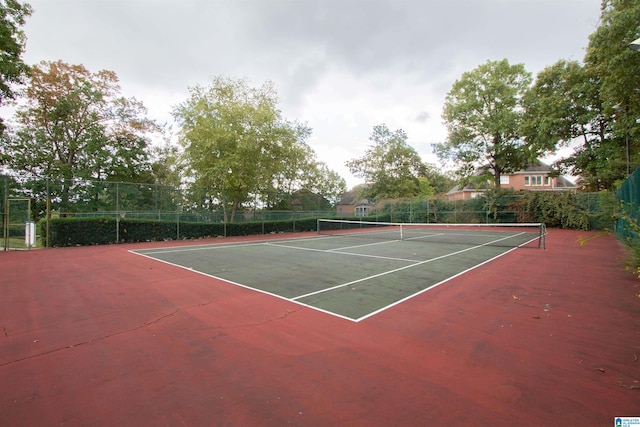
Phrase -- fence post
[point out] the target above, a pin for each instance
(117, 213)
(5, 216)
(47, 215)
(178, 225)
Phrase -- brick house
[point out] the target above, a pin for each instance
(351, 204)
(537, 177)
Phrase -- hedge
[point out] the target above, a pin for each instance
(71, 231)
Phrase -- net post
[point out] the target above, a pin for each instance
(542, 241)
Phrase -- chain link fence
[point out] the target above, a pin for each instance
(628, 222)
(569, 210)
(118, 202)
(51, 199)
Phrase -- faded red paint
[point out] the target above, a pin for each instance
(97, 336)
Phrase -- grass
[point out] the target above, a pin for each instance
(15, 243)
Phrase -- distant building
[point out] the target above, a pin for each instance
(351, 204)
(537, 177)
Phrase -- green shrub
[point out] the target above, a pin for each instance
(71, 231)
(554, 209)
(628, 231)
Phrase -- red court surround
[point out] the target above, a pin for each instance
(96, 336)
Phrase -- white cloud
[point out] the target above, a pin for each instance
(343, 66)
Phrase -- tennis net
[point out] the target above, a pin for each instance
(503, 234)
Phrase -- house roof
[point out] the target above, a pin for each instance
(348, 198)
(562, 182)
(469, 187)
(535, 167)
(352, 197)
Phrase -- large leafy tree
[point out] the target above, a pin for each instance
(321, 180)
(563, 106)
(594, 106)
(238, 147)
(483, 113)
(617, 69)
(391, 167)
(76, 125)
(440, 182)
(12, 43)
(609, 57)
(166, 164)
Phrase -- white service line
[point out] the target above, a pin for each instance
(295, 299)
(397, 269)
(338, 251)
(169, 249)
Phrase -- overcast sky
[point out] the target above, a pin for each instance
(341, 66)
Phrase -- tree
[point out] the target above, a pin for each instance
(12, 43)
(238, 147)
(166, 163)
(75, 125)
(436, 181)
(563, 106)
(483, 113)
(596, 105)
(617, 68)
(609, 57)
(390, 167)
(320, 179)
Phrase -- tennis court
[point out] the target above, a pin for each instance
(99, 336)
(354, 269)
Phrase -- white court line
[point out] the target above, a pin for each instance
(398, 269)
(222, 279)
(427, 236)
(432, 286)
(294, 300)
(169, 249)
(199, 248)
(368, 244)
(338, 251)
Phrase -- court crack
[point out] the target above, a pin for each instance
(70, 346)
(264, 321)
(249, 325)
(246, 325)
(144, 325)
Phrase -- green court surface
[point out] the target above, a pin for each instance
(344, 275)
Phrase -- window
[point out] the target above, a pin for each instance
(504, 179)
(547, 180)
(533, 180)
(536, 180)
